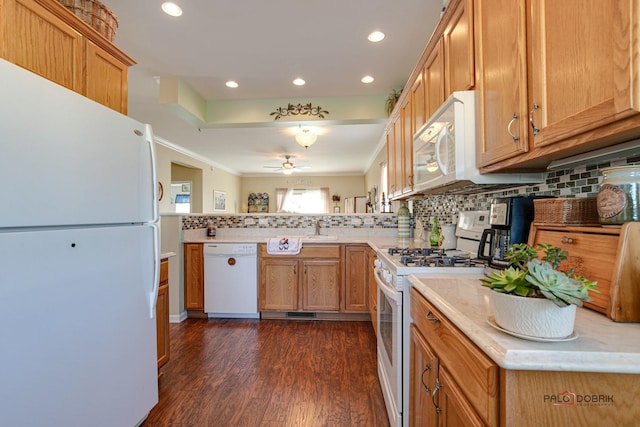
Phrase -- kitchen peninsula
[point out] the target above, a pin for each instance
(592, 380)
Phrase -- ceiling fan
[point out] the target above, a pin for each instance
(287, 167)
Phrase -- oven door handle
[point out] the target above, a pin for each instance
(386, 288)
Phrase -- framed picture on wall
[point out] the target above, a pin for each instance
(219, 201)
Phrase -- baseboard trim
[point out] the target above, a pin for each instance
(179, 318)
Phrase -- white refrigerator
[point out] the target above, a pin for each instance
(79, 259)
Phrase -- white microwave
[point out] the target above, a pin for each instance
(444, 152)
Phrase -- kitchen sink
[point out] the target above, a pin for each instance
(315, 238)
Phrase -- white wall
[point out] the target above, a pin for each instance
(212, 179)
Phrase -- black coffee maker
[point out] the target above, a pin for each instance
(510, 219)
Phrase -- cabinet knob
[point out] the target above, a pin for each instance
(568, 240)
(430, 318)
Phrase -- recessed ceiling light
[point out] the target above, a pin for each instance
(367, 79)
(299, 82)
(171, 9)
(376, 36)
(231, 84)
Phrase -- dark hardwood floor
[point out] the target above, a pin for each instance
(270, 373)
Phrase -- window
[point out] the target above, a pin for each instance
(183, 203)
(305, 200)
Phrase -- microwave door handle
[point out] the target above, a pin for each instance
(443, 135)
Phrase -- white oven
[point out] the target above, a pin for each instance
(390, 345)
(394, 308)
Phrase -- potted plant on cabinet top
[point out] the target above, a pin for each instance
(532, 297)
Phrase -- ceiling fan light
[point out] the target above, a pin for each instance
(306, 137)
(287, 171)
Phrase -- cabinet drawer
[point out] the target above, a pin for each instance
(591, 254)
(164, 271)
(468, 365)
(307, 251)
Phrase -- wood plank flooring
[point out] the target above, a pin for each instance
(270, 373)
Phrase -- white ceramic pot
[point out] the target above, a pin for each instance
(535, 317)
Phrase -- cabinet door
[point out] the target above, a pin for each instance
(459, 51)
(356, 287)
(407, 145)
(278, 284)
(193, 276)
(501, 45)
(423, 375)
(394, 158)
(34, 38)
(162, 315)
(455, 411)
(582, 76)
(434, 79)
(418, 108)
(321, 285)
(106, 79)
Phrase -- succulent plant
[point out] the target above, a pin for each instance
(529, 276)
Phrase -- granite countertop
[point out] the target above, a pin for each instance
(166, 255)
(602, 345)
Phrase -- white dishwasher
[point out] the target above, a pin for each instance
(231, 280)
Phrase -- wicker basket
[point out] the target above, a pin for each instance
(578, 211)
(94, 13)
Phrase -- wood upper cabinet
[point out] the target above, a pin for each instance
(418, 105)
(502, 73)
(106, 79)
(394, 157)
(47, 39)
(434, 87)
(555, 79)
(583, 69)
(356, 286)
(407, 145)
(162, 315)
(310, 281)
(193, 276)
(459, 49)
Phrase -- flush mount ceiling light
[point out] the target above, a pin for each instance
(231, 84)
(171, 9)
(376, 36)
(306, 137)
(299, 82)
(367, 79)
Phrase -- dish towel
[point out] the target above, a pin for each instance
(284, 245)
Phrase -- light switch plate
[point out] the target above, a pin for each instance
(369, 221)
(263, 221)
(356, 221)
(249, 221)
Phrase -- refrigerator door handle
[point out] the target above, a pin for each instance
(153, 297)
(154, 173)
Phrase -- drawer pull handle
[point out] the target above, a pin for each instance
(433, 396)
(432, 319)
(426, 387)
(568, 240)
(511, 134)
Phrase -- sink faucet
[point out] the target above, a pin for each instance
(318, 226)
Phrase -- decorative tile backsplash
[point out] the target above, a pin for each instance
(582, 181)
(367, 221)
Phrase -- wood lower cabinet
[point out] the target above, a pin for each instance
(356, 295)
(464, 388)
(162, 315)
(310, 281)
(193, 277)
(422, 381)
(47, 39)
